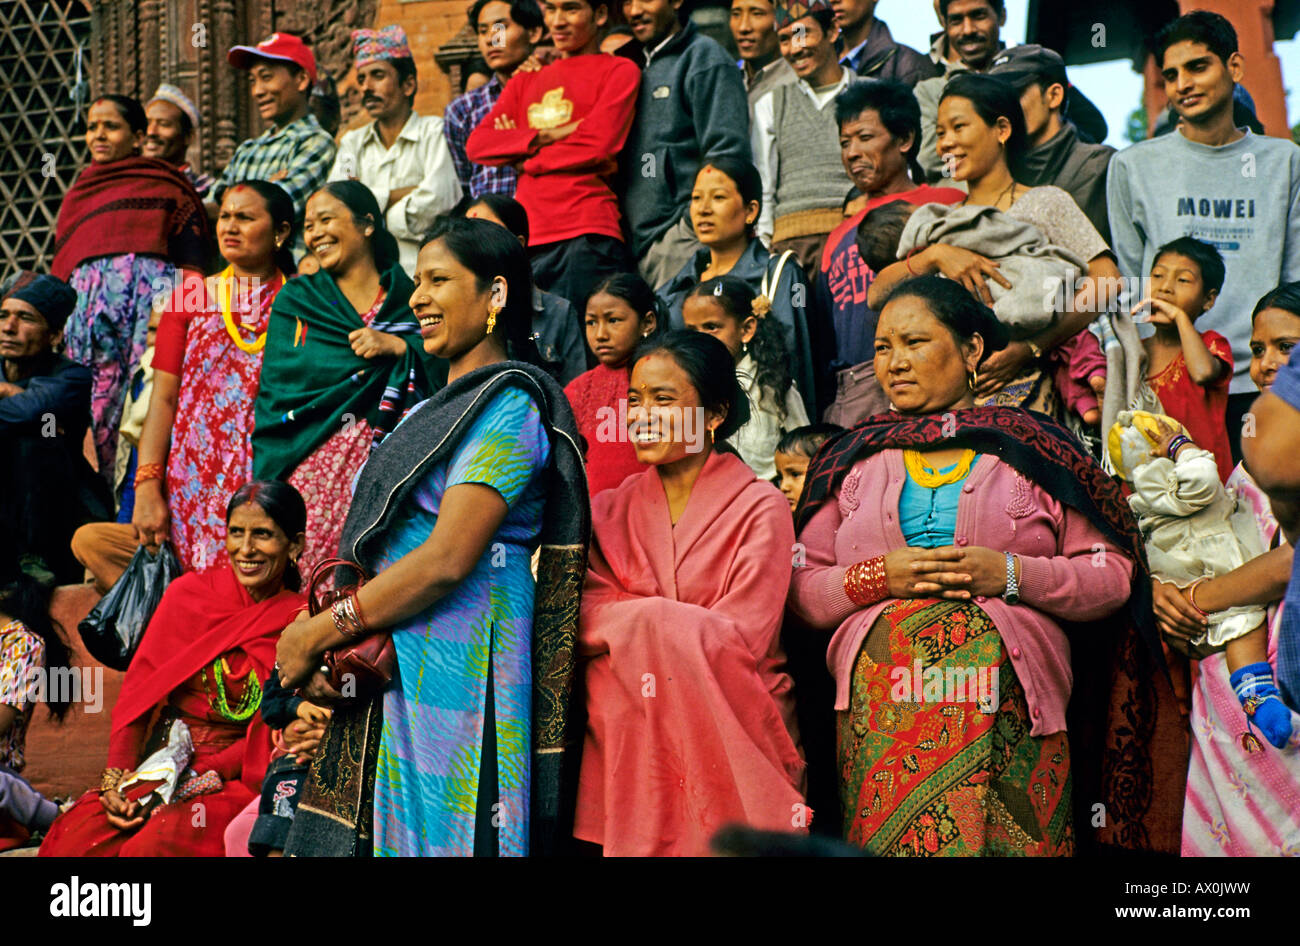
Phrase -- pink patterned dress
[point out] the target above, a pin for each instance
(1239, 803)
(325, 478)
(211, 452)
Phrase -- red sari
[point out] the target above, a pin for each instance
(203, 618)
(690, 717)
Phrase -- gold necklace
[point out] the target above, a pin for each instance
(227, 282)
(923, 476)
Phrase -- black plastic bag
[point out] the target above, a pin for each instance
(113, 628)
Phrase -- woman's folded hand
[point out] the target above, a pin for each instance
(954, 572)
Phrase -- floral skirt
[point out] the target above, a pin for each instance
(934, 752)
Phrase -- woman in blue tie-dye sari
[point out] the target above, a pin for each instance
(447, 514)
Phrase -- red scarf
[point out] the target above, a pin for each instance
(135, 205)
(202, 616)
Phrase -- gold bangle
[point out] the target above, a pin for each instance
(109, 779)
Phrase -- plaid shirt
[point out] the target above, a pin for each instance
(460, 118)
(297, 157)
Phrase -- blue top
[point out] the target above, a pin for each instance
(1286, 384)
(928, 516)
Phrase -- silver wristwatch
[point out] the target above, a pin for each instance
(1012, 594)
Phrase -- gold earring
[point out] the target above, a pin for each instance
(973, 379)
(492, 318)
(711, 431)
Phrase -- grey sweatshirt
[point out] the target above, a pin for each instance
(1242, 197)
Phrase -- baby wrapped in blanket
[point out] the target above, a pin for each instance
(1040, 274)
(1195, 529)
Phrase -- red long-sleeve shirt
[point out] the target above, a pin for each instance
(564, 186)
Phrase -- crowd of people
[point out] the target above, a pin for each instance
(842, 444)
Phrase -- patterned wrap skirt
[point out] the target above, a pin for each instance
(950, 770)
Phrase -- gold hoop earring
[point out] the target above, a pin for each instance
(973, 379)
(492, 319)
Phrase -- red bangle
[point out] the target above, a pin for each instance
(866, 582)
(907, 260)
(149, 471)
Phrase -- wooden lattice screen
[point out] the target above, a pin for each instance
(42, 144)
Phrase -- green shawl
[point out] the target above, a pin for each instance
(312, 383)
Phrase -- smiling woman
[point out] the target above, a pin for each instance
(690, 714)
(446, 516)
(199, 670)
(343, 360)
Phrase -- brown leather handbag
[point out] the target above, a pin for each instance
(366, 666)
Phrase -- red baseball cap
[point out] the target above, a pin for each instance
(284, 47)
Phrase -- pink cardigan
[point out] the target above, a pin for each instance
(1067, 570)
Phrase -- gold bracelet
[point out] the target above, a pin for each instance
(109, 779)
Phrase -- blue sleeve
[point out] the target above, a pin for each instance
(505, 447)
(1287, 383)
(720, 109)
(65, 396)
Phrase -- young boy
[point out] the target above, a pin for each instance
(1189, 370)
(1211, 180)
(794, 451)
(563, 127)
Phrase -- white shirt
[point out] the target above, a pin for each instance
(419, 158)
(756, 441)
(762, 138)
(651, 53)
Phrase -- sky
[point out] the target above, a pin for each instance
(1112, 86)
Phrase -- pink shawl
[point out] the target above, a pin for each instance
(690, 717)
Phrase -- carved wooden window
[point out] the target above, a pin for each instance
(42, 143)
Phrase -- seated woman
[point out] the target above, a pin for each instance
(446, 516)
(621, 313)
(32, 653)
(946, 545)
(690, 717)
(343, 361)
(727, 309)
(1227, 758)
(724, 211)
(201, 662)
(981, 120)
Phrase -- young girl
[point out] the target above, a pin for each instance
(621, 313)
(1189, 370)
(29, 646)
(794, 451)
(729, 310)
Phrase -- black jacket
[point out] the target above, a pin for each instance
(691, 108)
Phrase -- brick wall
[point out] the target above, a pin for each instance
(428, 24)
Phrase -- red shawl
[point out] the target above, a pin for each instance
(202, 616)
(135, 205)
(690, 717)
